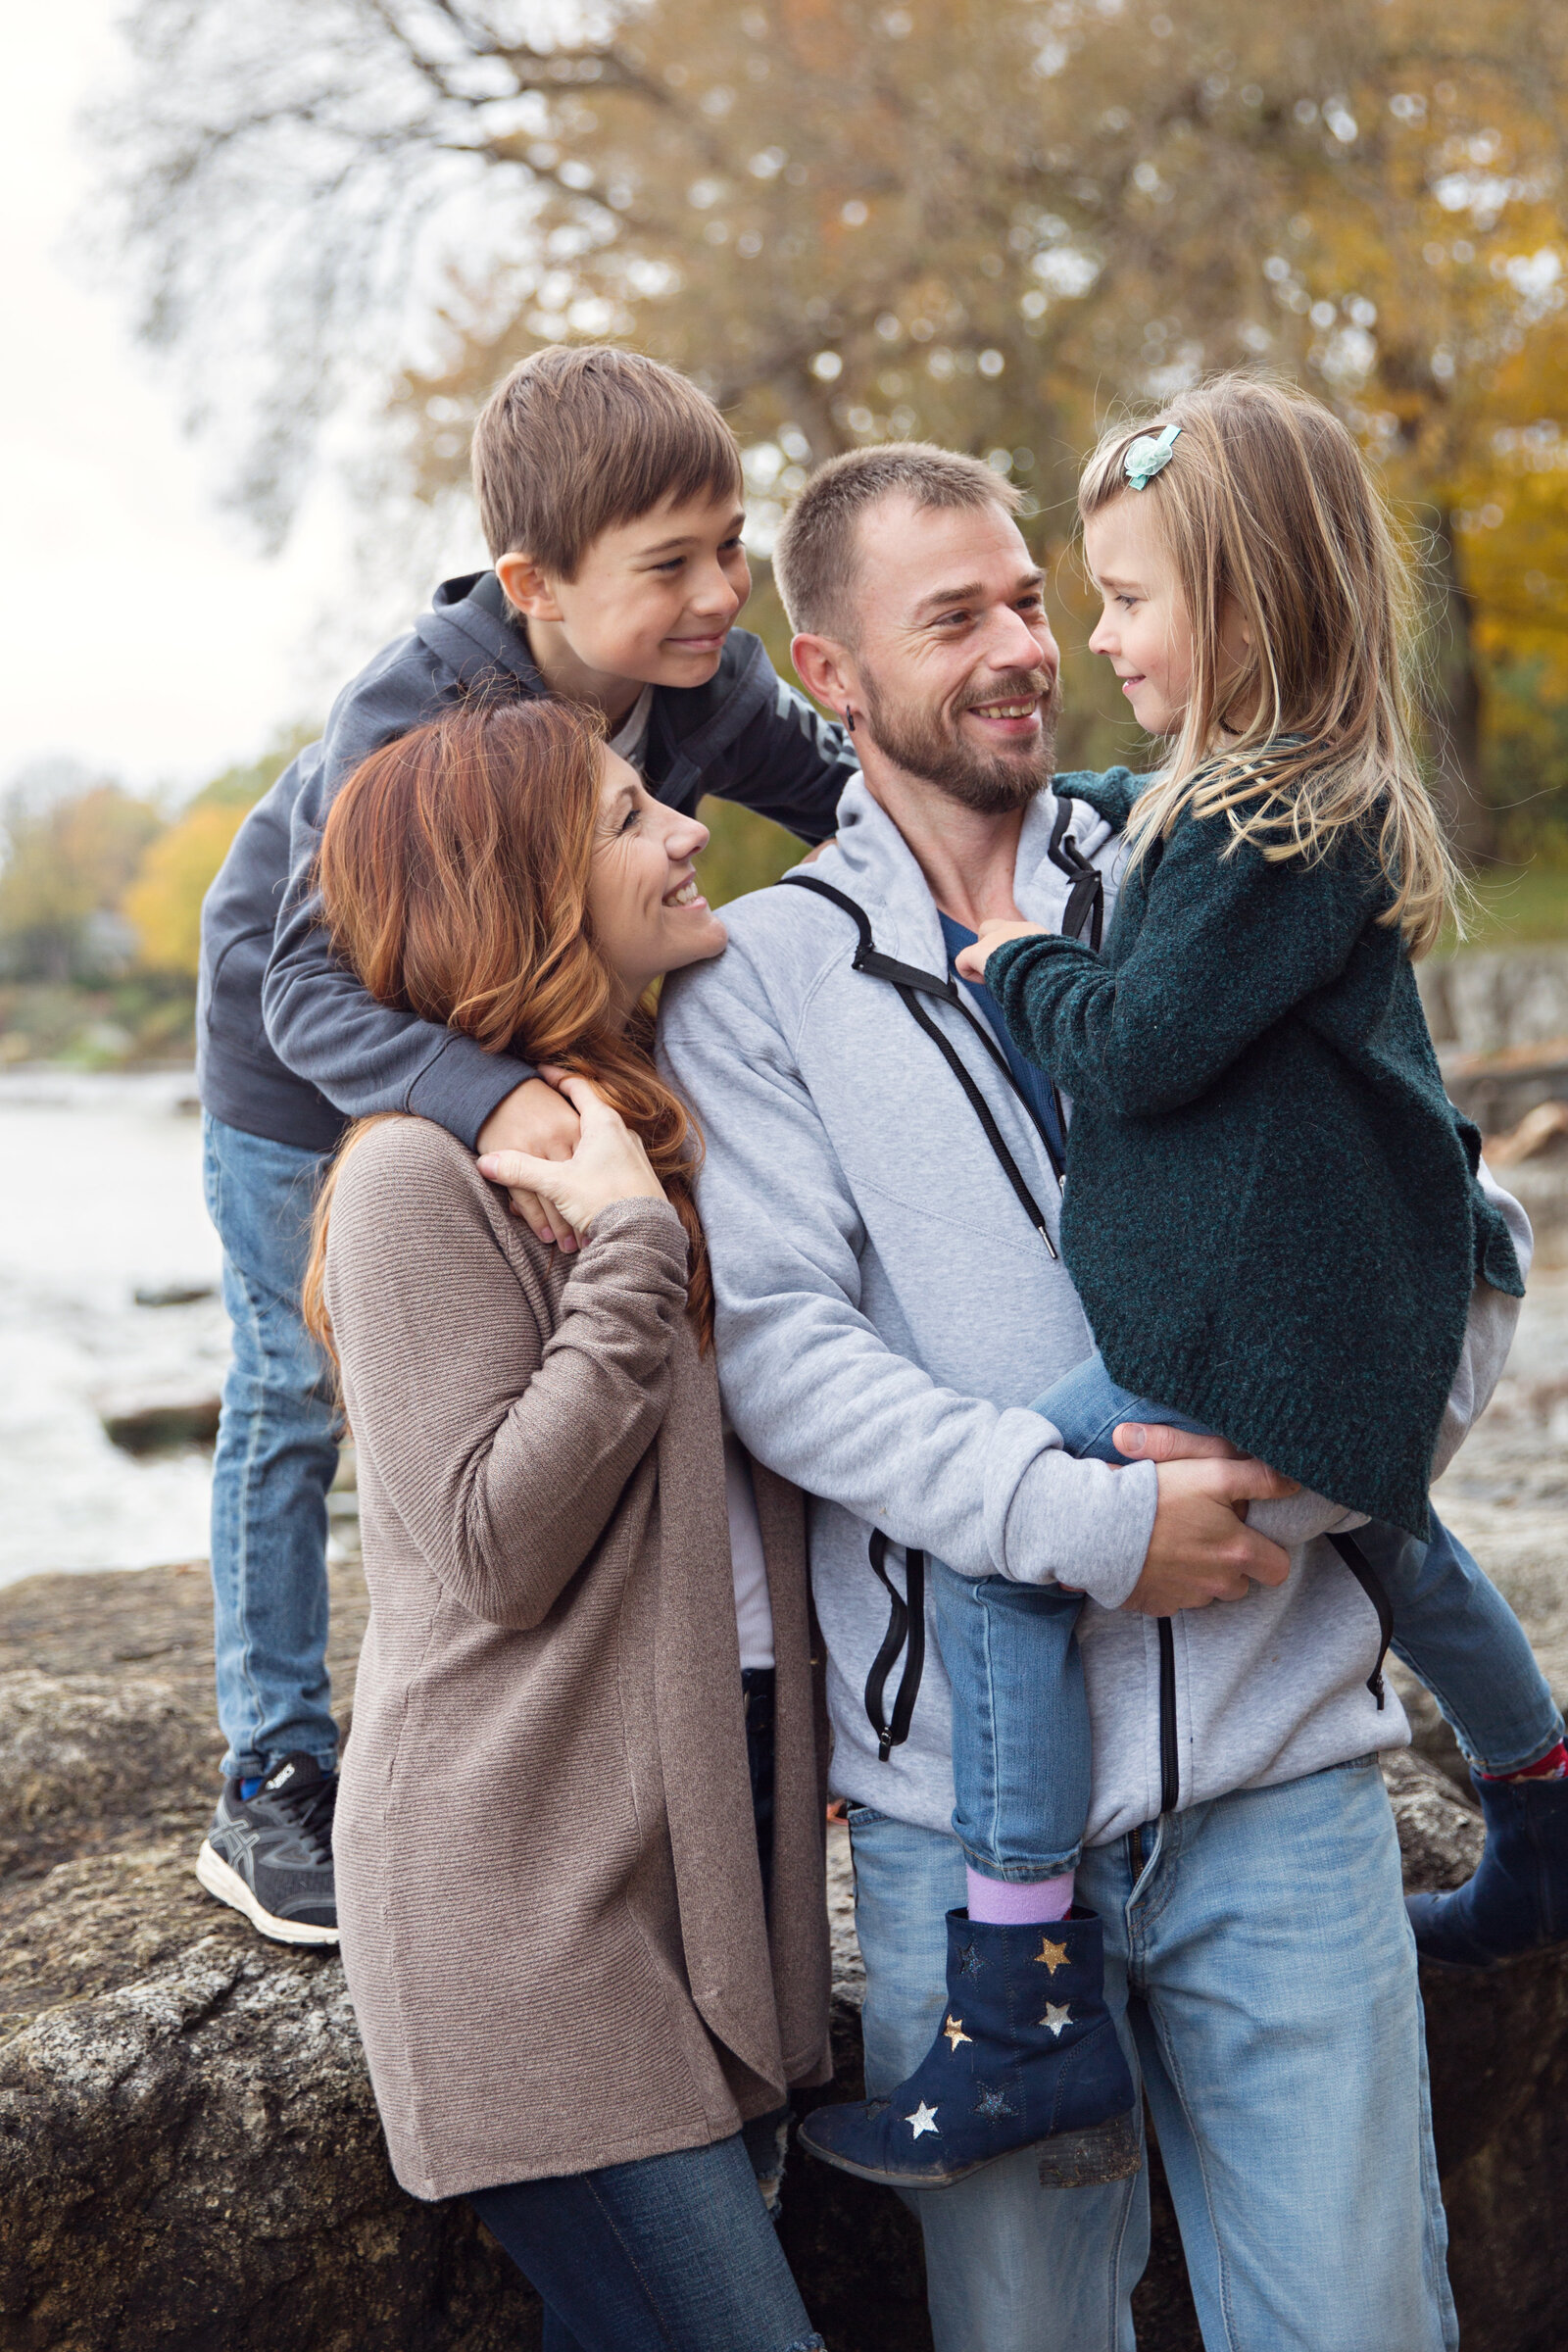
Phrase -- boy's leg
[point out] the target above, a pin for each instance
(1453, 1628)
(1011, 2266)
(1278, 2019)
(276, 1459)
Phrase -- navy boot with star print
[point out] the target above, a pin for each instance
(1027, 2057)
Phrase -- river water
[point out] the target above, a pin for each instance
(99, 1194)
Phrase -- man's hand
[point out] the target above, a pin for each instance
(1202, 1549)
(993, 934)
(536, 1119)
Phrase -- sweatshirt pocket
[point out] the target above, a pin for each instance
(234, 1001)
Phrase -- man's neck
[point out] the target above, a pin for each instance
(572, 679)
(968, 859)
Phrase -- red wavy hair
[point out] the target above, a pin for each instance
(454, 882)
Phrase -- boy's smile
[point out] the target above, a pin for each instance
(652, 604)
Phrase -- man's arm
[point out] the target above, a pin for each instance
(818, 1395)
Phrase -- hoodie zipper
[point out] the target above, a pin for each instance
(1169, 1756)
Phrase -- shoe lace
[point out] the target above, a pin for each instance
(311, 1810)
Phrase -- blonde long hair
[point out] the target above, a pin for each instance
(453, 878)
(1266, 507)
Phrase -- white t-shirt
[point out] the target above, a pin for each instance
(630, 739)
(754, 1612)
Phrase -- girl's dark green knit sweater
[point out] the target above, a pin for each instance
(1271, 1209)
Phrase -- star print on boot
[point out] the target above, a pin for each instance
(1026, 2057)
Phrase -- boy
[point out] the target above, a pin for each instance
(610, 491)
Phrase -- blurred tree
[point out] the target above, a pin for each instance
(164, 902)
(66, 868)
(981, 220)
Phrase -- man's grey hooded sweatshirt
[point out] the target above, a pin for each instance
(886, 1312)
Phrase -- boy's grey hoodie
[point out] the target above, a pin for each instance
(886, 1313)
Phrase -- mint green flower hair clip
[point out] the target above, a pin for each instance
(1147, 456)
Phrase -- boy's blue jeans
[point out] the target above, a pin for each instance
(276, 1457)
(1020, 1719)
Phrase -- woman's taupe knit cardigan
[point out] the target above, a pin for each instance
(548, 1883)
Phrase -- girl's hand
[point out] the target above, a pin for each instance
(971, 962)
(609, 1164)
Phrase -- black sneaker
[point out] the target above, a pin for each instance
(272, 1856)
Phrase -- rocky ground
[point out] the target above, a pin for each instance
(189, 2157)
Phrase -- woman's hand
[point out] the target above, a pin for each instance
(609, 1164)
(534, 1122)
(993, 934)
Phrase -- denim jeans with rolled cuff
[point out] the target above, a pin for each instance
(668, 2251)
(1451, 1626)
(276, 1459)
(1021, 1721)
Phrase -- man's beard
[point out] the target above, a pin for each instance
(927, 743)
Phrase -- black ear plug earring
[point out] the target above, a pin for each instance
(849, 719)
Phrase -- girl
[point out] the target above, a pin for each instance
(1271, 1210)
(579, 1841)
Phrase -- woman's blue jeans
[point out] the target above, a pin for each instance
(276, 1457)
(670, 2254)
(1021, 1719)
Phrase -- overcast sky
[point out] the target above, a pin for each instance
(143, 634)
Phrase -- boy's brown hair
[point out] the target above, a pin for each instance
(815, 555)
(579, 438)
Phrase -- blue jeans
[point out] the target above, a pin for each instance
(1263, 1974)
(276, 1457)
(1020, 1719)
(669, 2254)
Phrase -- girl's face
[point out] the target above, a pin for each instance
(1143, 629)
(649, 917)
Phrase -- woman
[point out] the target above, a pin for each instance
(584, 1933)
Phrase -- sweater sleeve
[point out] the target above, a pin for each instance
(504, 1448)
(1228, 944)
(788, 762)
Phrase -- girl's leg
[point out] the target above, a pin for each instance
(1026, 2054)
(1020, 1741)
(1453, 1628)
(670, 2254)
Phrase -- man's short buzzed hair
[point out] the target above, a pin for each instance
(579, 438)
(815, 555)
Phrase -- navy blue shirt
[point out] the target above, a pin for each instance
(1032, 1085)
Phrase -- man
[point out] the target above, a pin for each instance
(888, 1298)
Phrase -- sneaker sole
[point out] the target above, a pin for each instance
(1088, 2159)
(222, 1881)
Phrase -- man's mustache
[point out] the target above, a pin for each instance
(1023, 686)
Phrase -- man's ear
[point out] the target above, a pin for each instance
(526, 587)
(826, 669)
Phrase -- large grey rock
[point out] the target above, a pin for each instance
(189, 2153)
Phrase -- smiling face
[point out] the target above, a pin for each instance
(652, 604)
(646, 913)
(954, 658)
(1143, 629)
